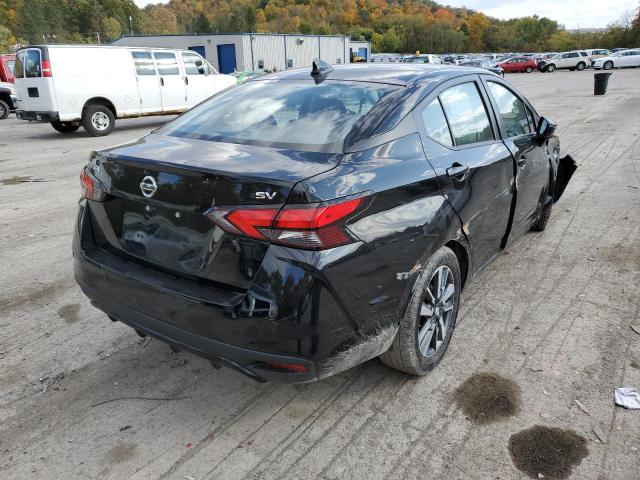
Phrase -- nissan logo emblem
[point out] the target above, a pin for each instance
(148, 186)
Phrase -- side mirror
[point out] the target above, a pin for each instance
(546, 128)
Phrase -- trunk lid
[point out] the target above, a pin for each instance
(160, 188)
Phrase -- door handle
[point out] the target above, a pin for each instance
(186, 80)
(458, 171)
(161, 82)
(522, 161)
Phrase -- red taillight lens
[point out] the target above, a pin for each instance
(291, 367)
(91, 187)
(46, 69)
(311, 227)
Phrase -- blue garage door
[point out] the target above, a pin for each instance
(199, 49)
(227, 58)
(362, 52)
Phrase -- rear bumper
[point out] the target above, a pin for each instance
(302, 334)
(35, 116)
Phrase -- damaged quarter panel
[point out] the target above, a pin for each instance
(407, 220)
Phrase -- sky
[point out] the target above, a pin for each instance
(570, 13)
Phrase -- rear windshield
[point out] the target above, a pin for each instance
(283, 114)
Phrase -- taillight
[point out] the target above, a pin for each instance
(91, 187)
(46, 69)
(310, 227)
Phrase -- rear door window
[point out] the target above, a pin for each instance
(512, 110)
(467, 114)
(167, 63)
(144, 63)
(435, 123)
(19, 67)
(32, 64)
(11, 66)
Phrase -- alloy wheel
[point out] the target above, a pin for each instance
(436, 311)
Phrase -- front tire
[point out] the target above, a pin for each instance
(608, 65)
(551, 68)
(64, 127)
(427, 326)
(581, 66)
(541, 223)
(529, 69)
(4, 109)
(98, 120)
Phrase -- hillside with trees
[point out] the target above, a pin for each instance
(391, 25)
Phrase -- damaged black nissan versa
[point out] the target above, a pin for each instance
(300, 224)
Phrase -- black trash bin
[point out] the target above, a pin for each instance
(600, 82)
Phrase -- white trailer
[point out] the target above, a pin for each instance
(73, 85)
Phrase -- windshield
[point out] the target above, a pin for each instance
(283, 114)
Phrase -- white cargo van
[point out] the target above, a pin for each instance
(73, 85)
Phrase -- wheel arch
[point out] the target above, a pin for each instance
(104, 101)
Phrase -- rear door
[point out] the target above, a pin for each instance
(34, 86)
(474, 167)
(172, 87)
(516, 122)
(148, 81)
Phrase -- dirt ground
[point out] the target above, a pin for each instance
(548, 323)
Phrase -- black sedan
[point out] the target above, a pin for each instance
(305, 222)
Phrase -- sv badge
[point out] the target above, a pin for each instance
(266, 195)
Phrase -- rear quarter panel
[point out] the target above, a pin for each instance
(407, 221)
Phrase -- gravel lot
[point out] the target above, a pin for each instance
(552, 315)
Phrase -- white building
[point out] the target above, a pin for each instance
(253, 51)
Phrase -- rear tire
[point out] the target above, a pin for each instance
(65, 127)
(430, 317)
(98, 120)
(542, 222)
(4, 109)
(581, 66)
(608, 65)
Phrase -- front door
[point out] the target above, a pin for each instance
(148, 82)
(529, 154)
(474, 168)
(197, 78)
(172, 87)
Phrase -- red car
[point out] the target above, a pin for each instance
(6, 68)
(519, 64)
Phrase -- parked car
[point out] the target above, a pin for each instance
(595, 53)
(7, 99)
(69, 86)
(574, 60)
(484, 64)
(620, 59)
(619, 49)
(7, 62)
(424, 58)
(299, 224)
(518, 64)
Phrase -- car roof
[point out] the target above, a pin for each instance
(402, 74)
